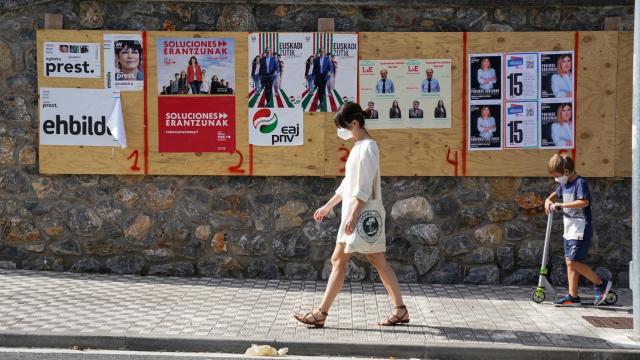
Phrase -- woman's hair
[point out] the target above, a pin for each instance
(440, 103)
(559, 163)
(193, 58)
(128, 44)
(395, 103)
(559, 63)
(484, 107)
(348, 112)
(483, 59)
(183, 73)
(559, 111)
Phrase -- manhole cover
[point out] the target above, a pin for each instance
(610, 322)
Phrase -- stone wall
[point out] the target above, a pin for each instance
(447, 230)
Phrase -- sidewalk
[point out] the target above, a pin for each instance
(47, 309)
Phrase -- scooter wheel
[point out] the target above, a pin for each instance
(611, 298)
(537, 296)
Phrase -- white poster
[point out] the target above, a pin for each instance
(72, 60)
(123, 62)
(276, 127)
(521, 124)
(521, 76)
(78, 116)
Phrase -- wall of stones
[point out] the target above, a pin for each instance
(440, 229)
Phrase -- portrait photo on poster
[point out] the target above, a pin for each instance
(556, 75)
(485, 76)
(485, 126)
(195, 66)
(556, 125)
(123, 62)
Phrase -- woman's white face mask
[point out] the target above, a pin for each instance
(344, 134)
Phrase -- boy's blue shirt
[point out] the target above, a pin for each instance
(576, 221)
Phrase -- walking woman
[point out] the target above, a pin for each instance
(362, 222)
(194, 75)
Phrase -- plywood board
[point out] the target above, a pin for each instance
(624, 90)
(413, 152)
(92, 159)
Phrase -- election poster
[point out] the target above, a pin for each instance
(521, 76)
(314, 71)
(485, 76)
(484, 126)
(557, 126)
(70, 116)
(556, 75)
(409, 93)
(276, 127)
(197, 124)
(521, 124)
(123, 62)
(72, 60)
(195, 66)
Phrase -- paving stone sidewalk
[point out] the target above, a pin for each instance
(70, 303)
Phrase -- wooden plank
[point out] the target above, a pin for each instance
(596, 98)
(414, 152)
(624, 92)
(91, 159)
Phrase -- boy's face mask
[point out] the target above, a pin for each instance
(562, 179)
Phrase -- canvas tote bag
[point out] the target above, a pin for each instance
(369, 235)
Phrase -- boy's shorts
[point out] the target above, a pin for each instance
(577, 250)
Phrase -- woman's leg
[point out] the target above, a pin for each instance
(339, 262)
(388, 277)
(193, 87)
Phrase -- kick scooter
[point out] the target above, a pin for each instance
(539, 294)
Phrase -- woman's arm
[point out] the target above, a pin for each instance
(556, 86)
(556, 136)
(353, 217)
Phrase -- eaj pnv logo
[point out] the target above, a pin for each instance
(265, 121)
(369, 225)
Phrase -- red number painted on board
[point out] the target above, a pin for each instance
(453, 161)
(135, 166)
(343, 158)
(237, 169)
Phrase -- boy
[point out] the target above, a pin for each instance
(573, 198)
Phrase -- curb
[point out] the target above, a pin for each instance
(456, 351)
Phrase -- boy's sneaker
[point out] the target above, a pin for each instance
(568, 300)
(601, 291)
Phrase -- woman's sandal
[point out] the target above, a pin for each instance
(314, 321)
(393, 319)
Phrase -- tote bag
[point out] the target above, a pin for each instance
(369, 235)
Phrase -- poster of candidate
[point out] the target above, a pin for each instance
(485, 132)
(195, 66)
(556, 75)
(314, 71)
(557, 126)
(485, 76)
(123, 62)
(72, 60)
(409, 93)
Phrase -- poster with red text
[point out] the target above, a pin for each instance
(197, 123)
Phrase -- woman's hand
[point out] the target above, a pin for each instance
(350, 224)
(321, 213)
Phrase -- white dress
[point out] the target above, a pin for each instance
(360, 171)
